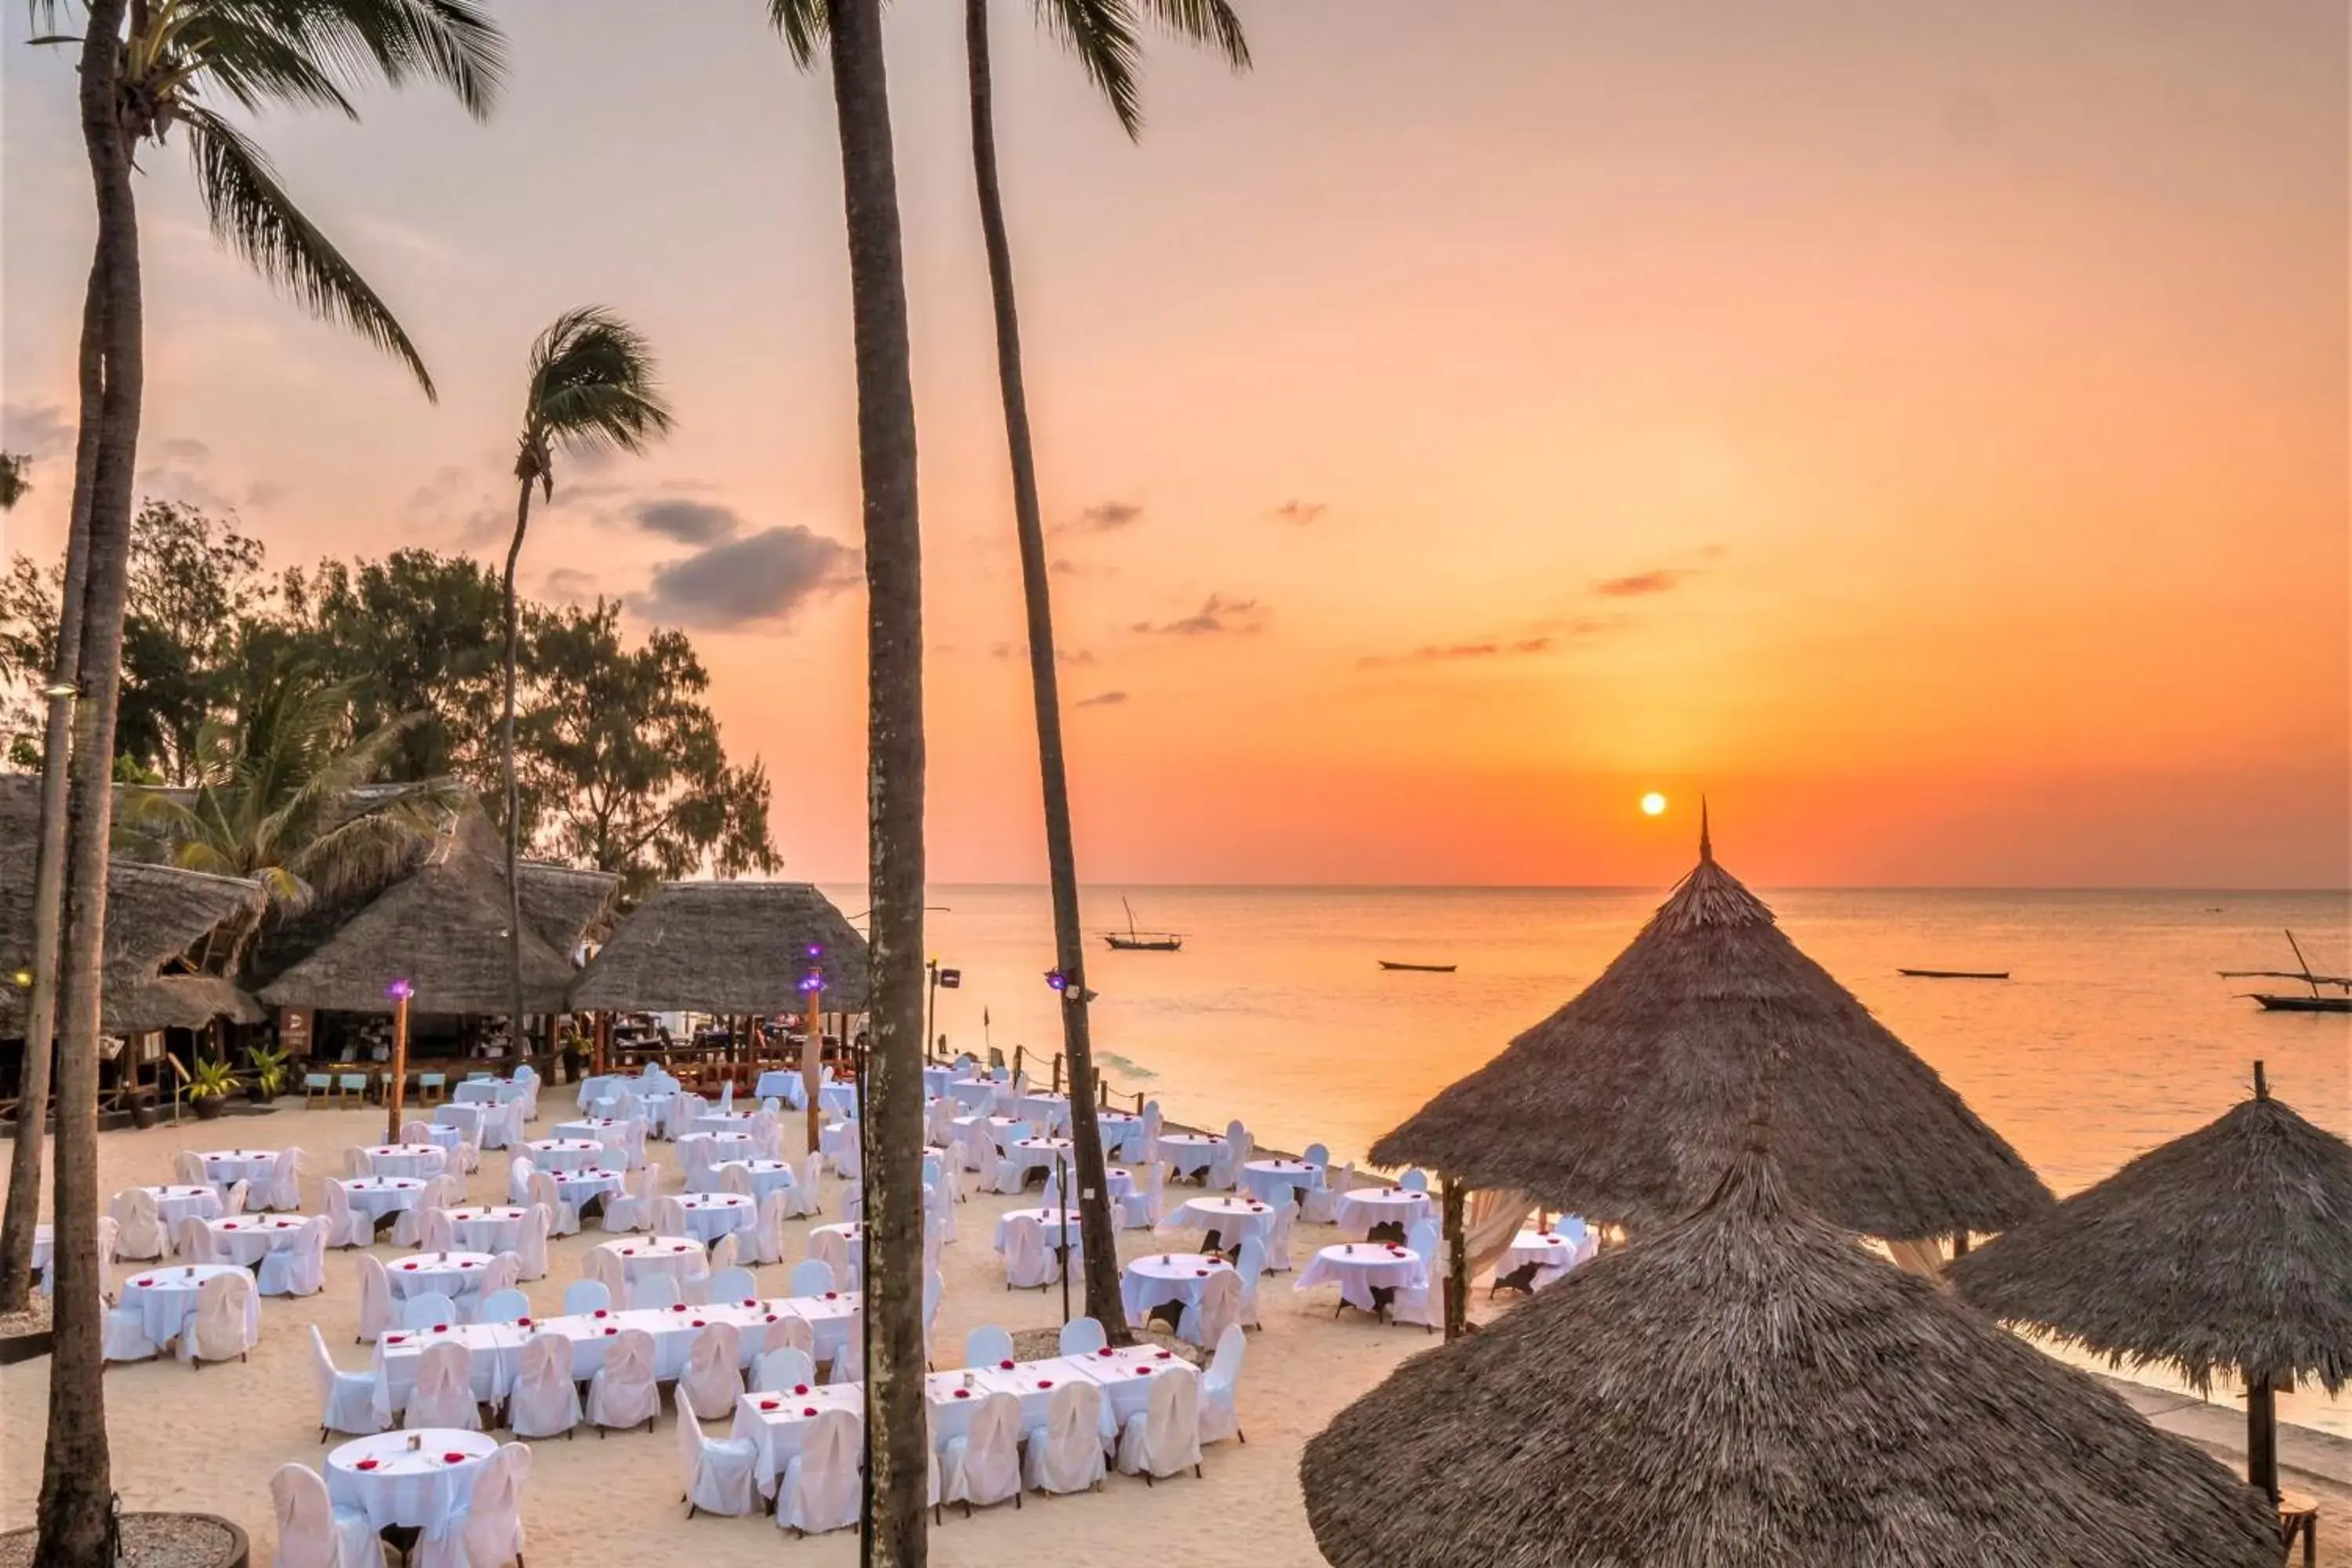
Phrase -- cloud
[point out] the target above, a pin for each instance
(36, 429)
(759, 580)
(1217, 614)
(182, 449)
(1020, 651)
(1300, 511)
(1640, 585)
(1103, 517)
(568, 586)
(1102, 699)
(1452, 653)
(439, 490)
(183, 473)
(266, 493)
(687, 521)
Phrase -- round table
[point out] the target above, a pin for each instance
(720, 1121)
(1231, 1217)
(1161, 1277)
(767, 1176)
(247, 1239)
(606, 1130)
(225, 1166)
(407, 1159)
(420, 1487)
(1547, 1250)
(165, 1298)
(1051, 1111)
(977, 1094)
(1274, 1181)
(710, 1215)
(454, 1274)
(175, 1203)
(1365, 1207)
(376, 1196)
(1048, 1220)
(1123, 1130)
(1358, 1266)
(1037, 1153)
(715, 1147)
(553, 1154)
(679, 1257)
(576, 1187)
(487, 1228)
(1188, 1152)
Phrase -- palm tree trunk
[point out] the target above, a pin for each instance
(514, 795)
(76, 1471)
(48, 875)
(897, 1437)
(1100, 1242)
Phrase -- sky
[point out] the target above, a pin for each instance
(1921, 430)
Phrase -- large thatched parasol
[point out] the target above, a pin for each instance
(1626, 1104)
(2229, 1249)
(1751, 1388)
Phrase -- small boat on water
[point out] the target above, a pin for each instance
(1417, 968)
(1134, 940)
(1955, 973)
(2290, 1001)
(2273, 1002)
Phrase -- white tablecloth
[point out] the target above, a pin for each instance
(165, 1298)
(463, 1118)
(485, 1091)
(1047, 1112)
(1039, 1154)
(680, 1256)
(376, 1196)
(710, 1215)
(1559, 1249)
(1188, 1152)
(935, 1079)
(784, 1086)
(224, 1166)
(174, 1205)
(1361, 1210)
(972, 1094)
(552, 1154)
(249, 1238)
(1122, 1134)
(420, 1488)
(484, 1228)
(1049, 1221)
(454, 1274)
(767, 1176)
(722, 1121)
(576, 1187)
(1162, 1277)
(443, 1135)
(1231, 1217)
(1356, 1266)
(408, 1160)
(1278, 1181)
(603, 1131)
(495, 1351)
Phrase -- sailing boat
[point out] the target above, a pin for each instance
(2277, 1002)
(1134, 940)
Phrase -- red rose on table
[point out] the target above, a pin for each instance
(388, 1339)
(963, 1393)
(142, 1282)
(1104, 1351)
(808, 1409)
(454, 1458)
(750, 1300)
(767, 1404)
(1143, 1372)
(696, 1324)
(440, 1328)
(599, 1311)
(678, 1307)
(522, 1323)
(365, 1465)
(410, 1267)
(1200, 1273)
(800, 1388)
(612, 1330)
(1004, 1366)
(771, 1317)
(830, 1295)
(1045, 1382)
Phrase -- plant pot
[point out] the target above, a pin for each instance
(142, 1112)
(208, 1109)
(258, 1095)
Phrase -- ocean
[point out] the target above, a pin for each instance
(2113, 1034)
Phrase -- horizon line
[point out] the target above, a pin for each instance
(2342, 892)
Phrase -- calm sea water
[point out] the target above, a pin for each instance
(2113, 1035)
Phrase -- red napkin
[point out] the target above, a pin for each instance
(750, 1300)
(393, 1338)
(800, 1388)
(678, 1307)
(365, 1465)
(1104, 1351)
(698, 1323)
(808, 1409)
(963, 1393)
(453, 1459)
(771, 1317)
(767, 1404)
(599, 1311)
(628, 1252)
(440, 1328)
(410, 1267)
(142, 1282)
(1045, 1382)
(1143, 1372)
(829, 1296)
(612, 1330)
(1166, 1355)
(1200, 1272)
(1004, 1366)
(522, 1323)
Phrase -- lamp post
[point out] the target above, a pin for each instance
(812, 989)
(394, 1092)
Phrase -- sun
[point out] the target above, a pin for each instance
(1653, 805)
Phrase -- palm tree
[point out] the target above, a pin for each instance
(592, 390)
(146, 69)
(1106, 38)
(897, 1441)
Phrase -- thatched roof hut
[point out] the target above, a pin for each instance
(725, 948)
(1626, 1104)
(1752, 1387)
(2228, 1248)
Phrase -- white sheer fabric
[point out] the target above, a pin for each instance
(1220, 1415)
(820, 1487)
(1066, 1453)
(983, 1466)
(346, 1399)
(718, 1470)
(1164, 1437)
(623, 1392)
(228, 1322)
(544, 1401)
(713, 1380)
(1491, 1219)
(443, 1395)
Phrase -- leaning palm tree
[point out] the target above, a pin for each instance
(1106, 36)
(592, 390)
(897, 1441)
(144, 69)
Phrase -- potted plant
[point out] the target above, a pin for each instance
(142, 1107)
(209, 1087)
(269, 1073)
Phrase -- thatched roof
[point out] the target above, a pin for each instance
(156, 917)
(2230, 1247)
(1751, 1387)
(726, 947)
(1626, 1104)
(565, 905)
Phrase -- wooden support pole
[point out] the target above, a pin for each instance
(2262, 1437)
(397, 1090)
(1458, 1262)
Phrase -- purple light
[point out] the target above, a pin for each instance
(400, 990)
(812, 982)
(1057, 980)
(816, 950)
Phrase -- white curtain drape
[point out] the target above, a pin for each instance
(1490, 1219)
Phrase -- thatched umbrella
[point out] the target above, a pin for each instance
(1751, 1387)
(2230, 1248)
(1626, 1104)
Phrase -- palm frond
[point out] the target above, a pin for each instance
(1101, 33)
(252, 54)
(805, 25)
(1204, 22)
(369, 847)
(593, 385)
(253, 215)
(452, 42)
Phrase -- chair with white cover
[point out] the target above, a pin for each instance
(793, 1331)
(225, 1323)
(713, 1379)
(238, 1193)
(1249, 1265)
(784, 1367)
(695, 1288)
(1009, 1175)
(764, 1242)
(719, 1472)
(613, 1160)
(358, 1161)
(584, 1296)
(633, 1207)
(853, 1198)
(282, 1191)
(1029, 1263)
(603, 1265)
(983, 1466)
(1142, 1207)
(808, 1185)
(1278, 1245)
(192, 1240)
(143, 1238)
(416, 1132)
(669, 1218)
(530, 1241)
(312, 1532)
(1082, 1336)
(520, 1171)
(987, 1345)
(501, 1274)
(820, 1490)
(493, 1528)
(1322, 1204)
(443, 1395)
(435, 1231)
(831, 1249)
(849, 1361)
(935, 1286)
(655, 1292)
(507, 1306)
(734, 1284)
(108, 1234)
(466, 1157)
(1413, 1181)
(1317, 1155)
(378, 1310)
(633, 1141)
(1420, 1302)
(694, 1158)
(1225, 1166)
(1220, 1303)
(624, 1392)
(1164, 1438)
(766, 1133)
(565, 1219)
(408, 1225)
(346, 1399)
(1065, 1451)
(122, 1336)
(544, 1401)
(1220, 1415)
(301, 1268)
(979, 1149)
(188, 1169)
(427, 1310)
(1423, 1238)
(735, 1177)
(810, 1276)
(346, 1226)
(939, 1195)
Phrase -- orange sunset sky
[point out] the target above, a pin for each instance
(1923, 428)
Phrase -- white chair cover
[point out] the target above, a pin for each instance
(765, 1240)
(735, 1177)
(1220, 1418)
(443, 1395)
(531, 1242)
(793, 1331)
(1322, 1204)
(767, 1132)
(853, 1198)
(227, 1322)
(1082, 1336)
(585, 1295)
(312, 1532)
(1249, 1264)
(358, 1161)
(603, 1265)
(377, 1310)
(987, 1345)
(669, 1218)
(849, 1361)
(428, 1309)
(1010, 1175)
(719, 1472)
(503, 1306)
(416, 1132)
(1066, 1453)
(1142, 1207)
(437, 1232)
(633, 1208)
(503, 1273)
(188, 1169)
(820, 1489)
(346, 1399)
(345, 1227)
(192, 1240)
(565, 1219)
(983, 1466)
(1219, 1304)
(1029, 1263)
(807, 1189)
(831, 1249)
(233, 1201)
(1164, 1437)
(1277, 1247)
(940, 1197)
(657, 1291)
(713, 1380)
(142, 1236)
(284, 1192)
(623, 1392)
(300, 1269)
(124, 1336)
(544, 1400)
(732, 1284)
(493, 1534)
(520, 1171)
(784, 1367)
(810, 1277)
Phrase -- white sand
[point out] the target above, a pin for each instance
(209, 1440)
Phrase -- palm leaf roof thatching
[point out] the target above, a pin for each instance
(565, 905)
(1626, 1104)
(726, 947)
(2228, 1249)
(1750, 1388)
